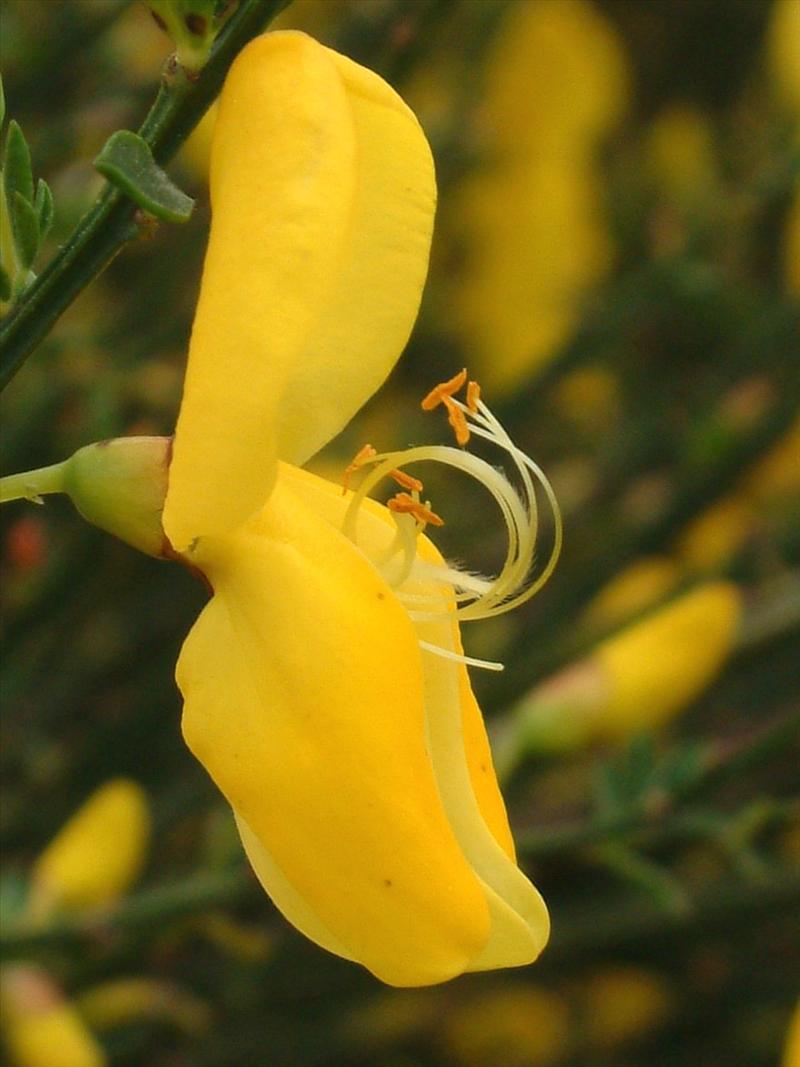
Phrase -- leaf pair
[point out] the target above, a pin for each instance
(27, 211)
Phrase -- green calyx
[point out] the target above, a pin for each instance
(193, 25)
(117, 485)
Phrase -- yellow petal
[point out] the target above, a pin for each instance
(282, 183)
(520, 923)
(322, 196)
(304, 700)
(481, 768)
(366, 323)
(461, 758)
(327, 500)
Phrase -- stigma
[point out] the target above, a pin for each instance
(466, 593)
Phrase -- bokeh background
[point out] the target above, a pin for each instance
(617, 261)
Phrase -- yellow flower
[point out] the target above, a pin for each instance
(679, 153)
(621, 1003)
(637, 679)
(325, 687)
(556, 84)
(121, 1001)
(783, 53)
(711, 539)
(41, 1028)
(633, 589)
(97, 854)
(516, 1026)
(656, 667)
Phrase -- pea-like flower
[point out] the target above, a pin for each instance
(325, 686)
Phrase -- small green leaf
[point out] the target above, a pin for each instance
(43, 206)
(5, 286)
(25, 228)
(681, 767)
(2, 102)
(127, 162)
(622, 783)
(646, 876)
(14, 894)
(17, 173)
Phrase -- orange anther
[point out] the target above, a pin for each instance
(406, 480)
(473, 396)
(403, 504)
(458, 420)
(444, 389)
(359, 459)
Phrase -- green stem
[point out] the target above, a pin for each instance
(114, 219)
(30, 485)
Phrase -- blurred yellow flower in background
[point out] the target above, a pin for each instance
(122, 1001)
(713, 538)
(679, 154)
(634, 589)
(531, 217)
(517, 1026)
(620, 1003)
(783, 53)
(97, 855)
(635, 680)
(40, 1028)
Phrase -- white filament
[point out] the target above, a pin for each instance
(474, 596)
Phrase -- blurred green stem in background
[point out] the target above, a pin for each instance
(114, 219)
(717, 767)
(575, 934)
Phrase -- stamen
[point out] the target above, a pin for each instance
(406, 480)
(452, 590)
(404, 504)
(444, 389)
(364, 455)
(458, 421)
(446, 653)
